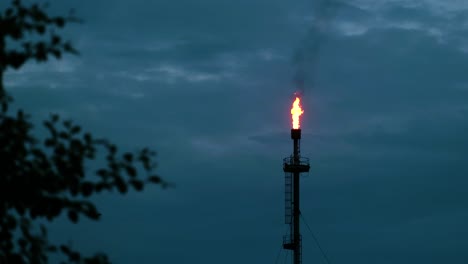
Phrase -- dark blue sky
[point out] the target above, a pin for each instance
(208, 84)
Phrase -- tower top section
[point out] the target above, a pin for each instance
(295, 133)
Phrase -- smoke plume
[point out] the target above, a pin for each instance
(306, 56)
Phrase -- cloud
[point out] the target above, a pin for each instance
(352, 29)
(270, 55)
(434, 6)
(174, 73)
(56, 74)
(357, 18)
(68, 64)
(204, 83)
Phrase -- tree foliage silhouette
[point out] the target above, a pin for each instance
(43, 178)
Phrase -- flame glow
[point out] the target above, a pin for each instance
(296, 112)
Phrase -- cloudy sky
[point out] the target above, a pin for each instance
(208, 84)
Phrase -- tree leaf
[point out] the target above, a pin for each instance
(154, 179)
(87, 189)
(73, 216)
(131, 171)
(138, 185)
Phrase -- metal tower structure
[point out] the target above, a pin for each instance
(293, 166)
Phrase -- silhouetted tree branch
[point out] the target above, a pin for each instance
(43, 178)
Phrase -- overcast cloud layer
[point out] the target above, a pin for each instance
(209, 84)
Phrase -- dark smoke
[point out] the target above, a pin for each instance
(306, 56)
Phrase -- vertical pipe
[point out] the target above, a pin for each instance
(296, 151)
(296, 136)
(297, 236)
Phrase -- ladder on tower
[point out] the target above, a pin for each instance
(288, 197)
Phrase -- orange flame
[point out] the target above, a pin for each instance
(296, 112)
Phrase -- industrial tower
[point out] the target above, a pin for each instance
(293, 166)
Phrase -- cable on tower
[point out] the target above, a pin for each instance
(315, 239)
(279, 254)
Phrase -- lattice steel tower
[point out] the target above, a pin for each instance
(293, 166)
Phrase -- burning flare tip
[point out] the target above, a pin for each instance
(296, 112)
